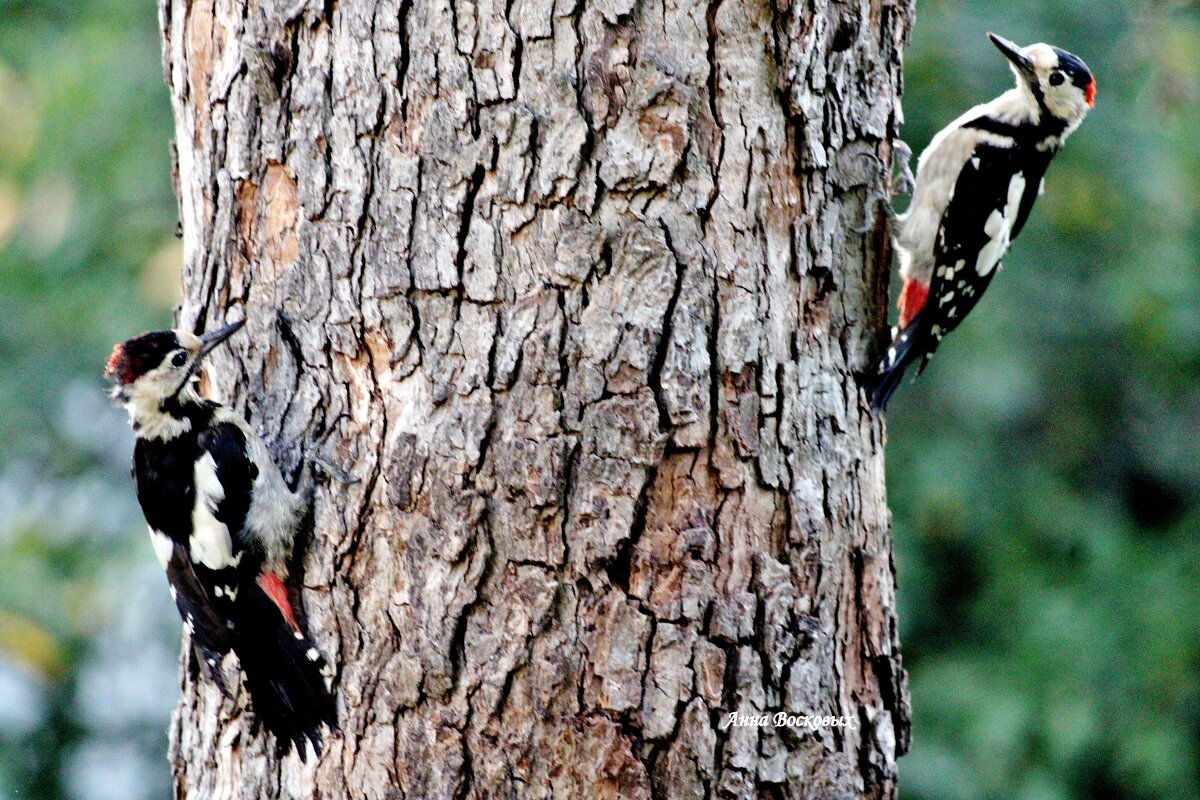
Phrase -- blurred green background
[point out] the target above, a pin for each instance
(88, 638)
(1044, 473)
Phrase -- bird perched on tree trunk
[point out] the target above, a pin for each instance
(222, 522)
(975, 186)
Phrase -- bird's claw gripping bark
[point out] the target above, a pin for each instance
(877, 198)
(898, 185)
(905, 182)
(331, 471)
(315, 466)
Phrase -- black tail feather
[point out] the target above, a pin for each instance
(887, 374)
(285, 674)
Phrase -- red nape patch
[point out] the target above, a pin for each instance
(132, 359)
(912, 300)
(273, 587)
(115, 369)
(1089, 93)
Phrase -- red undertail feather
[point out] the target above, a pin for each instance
(273, 588)
(912, 300)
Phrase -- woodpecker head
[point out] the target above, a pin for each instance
(150, 369)
(1059, 82)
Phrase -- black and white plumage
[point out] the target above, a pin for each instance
(222, 522)
(976, 184)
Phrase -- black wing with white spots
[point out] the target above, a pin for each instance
(992, 198)
(206, 621)
(195, 493)
(283, 668)
(991, 203)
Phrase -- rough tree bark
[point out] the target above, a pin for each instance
(573, 288)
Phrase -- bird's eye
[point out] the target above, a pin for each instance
(1056, 78)
(179, 359)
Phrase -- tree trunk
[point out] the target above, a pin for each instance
(573, 289)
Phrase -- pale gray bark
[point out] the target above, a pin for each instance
(573, 287)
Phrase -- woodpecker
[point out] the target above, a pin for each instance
(222, 522)
(976, 183)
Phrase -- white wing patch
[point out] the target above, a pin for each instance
(210, 543)
(999, 227)
(274, 510)
(163, 546)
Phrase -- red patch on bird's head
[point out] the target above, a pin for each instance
(117, 369)
(1089, 93)
(132, 359)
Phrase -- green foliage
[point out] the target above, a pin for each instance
(1045, 471)
(85, 203)
(85, 196)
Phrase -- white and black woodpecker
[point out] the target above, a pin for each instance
(976, 183)
(222, 521)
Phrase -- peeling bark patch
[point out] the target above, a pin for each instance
(199, 60)
(280, 215)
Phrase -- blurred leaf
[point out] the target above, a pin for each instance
(31, 644)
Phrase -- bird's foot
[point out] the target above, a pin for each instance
(905, 182)
(877, 199)
(891, 185)
(312, 469)
(331, 471)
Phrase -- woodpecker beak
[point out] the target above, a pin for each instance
(1013, 53)
(209, 341)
